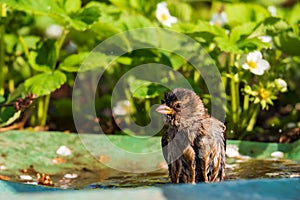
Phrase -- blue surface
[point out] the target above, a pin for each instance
(256, 189)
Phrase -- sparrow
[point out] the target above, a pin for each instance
(194, 143)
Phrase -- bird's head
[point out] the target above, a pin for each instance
(182, 107)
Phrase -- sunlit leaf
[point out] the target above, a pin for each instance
(72, 6)
(240, 13)
(294, 16)
(181, 10)
(2, 99)
(45, 83)
(89, 15)
(73, 62)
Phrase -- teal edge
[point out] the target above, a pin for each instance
(257, 189)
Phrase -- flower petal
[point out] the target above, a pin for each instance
(254, 56)
(257, 71)
(245, 66)
(161, 5)
(263, 64)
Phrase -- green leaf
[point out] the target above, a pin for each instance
(294, 17)
(32, 61)
(88, 16)
(72, 6)
(2, 99)
(288, 42)
(96, 60)
(240, 13)
(45, 83)
(44, 7)
(252, 44)
(271, 26)
(143, 89)
(125, 60)
(241, 31)
(181, 10)
(31, 42)
(176, 61)
(47, 54)
(104, 29)
(44, 58)
(8, 116)
(73, 62)
(227, 46)
(136, 21)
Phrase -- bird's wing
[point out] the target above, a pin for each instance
(209, 147)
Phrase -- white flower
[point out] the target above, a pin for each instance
(265, 38)
(272, 10)
(219, 19)
(122, 108)
(54, 31)
(255, 63)
(281, 85)
(163, 15)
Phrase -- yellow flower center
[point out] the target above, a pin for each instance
(252, 65)
(164, 17)
(264, 94)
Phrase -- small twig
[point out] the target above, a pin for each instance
(21, 103)
(19, 125)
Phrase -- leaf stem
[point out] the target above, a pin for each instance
(234, 91)
(61, 40)
(253, 115)
(2, 50)
(45, 113)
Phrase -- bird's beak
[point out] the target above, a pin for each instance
(164, 109)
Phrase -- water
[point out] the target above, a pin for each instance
(109, 178)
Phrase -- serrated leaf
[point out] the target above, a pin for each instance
(45, 83)
(45, 7)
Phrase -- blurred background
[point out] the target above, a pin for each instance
(44, 43)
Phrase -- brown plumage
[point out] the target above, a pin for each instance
(194, 142)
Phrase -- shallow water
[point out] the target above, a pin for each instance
(109, 178)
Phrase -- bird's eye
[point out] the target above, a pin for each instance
(178, 105)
